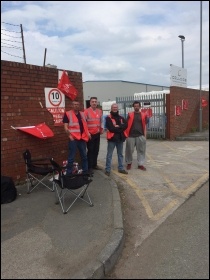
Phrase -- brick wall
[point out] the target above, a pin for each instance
(22, 90)
(188, 121)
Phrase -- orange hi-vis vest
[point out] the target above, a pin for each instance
(74, 127)
(130, 122)
(93, 119)
(109, 134)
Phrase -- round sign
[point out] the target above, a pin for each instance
(55, 97)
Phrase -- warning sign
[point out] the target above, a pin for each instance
(58, 114)
(55, 104)
(54, 97)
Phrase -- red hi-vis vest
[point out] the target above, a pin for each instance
(93, 119)
(74, 127)
(109, 134)
(130, 121)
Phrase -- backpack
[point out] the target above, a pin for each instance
(8, 190)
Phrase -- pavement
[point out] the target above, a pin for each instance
(39, 241)
(195, 136)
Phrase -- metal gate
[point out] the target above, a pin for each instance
(156, 127)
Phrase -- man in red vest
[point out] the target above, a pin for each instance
(136, 133)
(116, 126)
(94, 118)
(75, 126)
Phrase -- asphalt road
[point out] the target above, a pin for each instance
(177, 249)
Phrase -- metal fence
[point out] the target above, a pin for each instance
(154, 104)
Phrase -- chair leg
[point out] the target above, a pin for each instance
(30, 177)
(59, 198)
(80, 196)
(28, 183)
(60, 193)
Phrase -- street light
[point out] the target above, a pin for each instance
(200, 107)
(182, 40)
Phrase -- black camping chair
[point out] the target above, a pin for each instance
(75, 184)
(37, 171)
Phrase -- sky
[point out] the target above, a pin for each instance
(133, 41)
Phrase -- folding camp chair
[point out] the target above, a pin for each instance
(74, 184)
(37, 171)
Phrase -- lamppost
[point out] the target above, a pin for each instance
(182, 40)
(200, 107)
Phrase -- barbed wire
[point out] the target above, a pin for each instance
(11, 41)
(10, 45)
(8, 34)
(10, 30)
(9, 23)
(14, 47)
(11, 54)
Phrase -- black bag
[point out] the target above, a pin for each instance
(76, 181)
(8, 190)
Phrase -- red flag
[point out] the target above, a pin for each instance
(41, 130)
(66, 87)
(204, 102)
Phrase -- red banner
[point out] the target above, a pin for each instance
(66, 87)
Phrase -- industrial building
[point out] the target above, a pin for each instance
(109, 90)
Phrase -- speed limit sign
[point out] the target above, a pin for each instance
(54, 98)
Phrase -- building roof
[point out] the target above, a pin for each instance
(108, 81)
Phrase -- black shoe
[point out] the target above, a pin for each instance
(123, 171)
(90, 171)
(97, 167)
(107, 173)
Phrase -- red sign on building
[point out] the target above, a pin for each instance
(178, 110)
(184, 104)
(204, 102)
(148, 111)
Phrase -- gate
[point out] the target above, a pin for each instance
(154, 104)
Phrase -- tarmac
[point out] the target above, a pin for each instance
(39, 241)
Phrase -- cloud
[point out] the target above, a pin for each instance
(126, 40)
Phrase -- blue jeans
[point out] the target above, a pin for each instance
(73, 145)
(110, 149)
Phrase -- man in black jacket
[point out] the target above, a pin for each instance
(116, 125)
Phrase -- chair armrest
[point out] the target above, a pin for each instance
(40, 159)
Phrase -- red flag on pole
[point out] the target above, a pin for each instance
(66, 86)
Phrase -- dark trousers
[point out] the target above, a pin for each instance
(73, 145)
(92, 150)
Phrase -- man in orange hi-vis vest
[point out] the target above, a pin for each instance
(136, 133)
(75, 126)
(116, 126)
(94, 118)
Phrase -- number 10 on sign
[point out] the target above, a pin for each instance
(54, 98)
